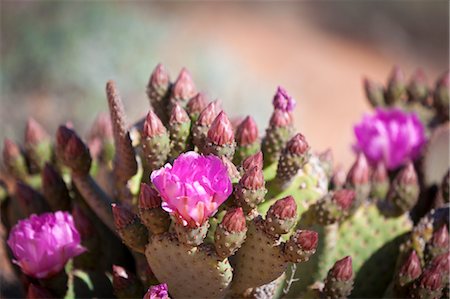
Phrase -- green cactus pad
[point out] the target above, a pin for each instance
(259, 261)
(189, 272)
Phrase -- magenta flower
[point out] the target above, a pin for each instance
(193, 188)
(43, 244)
(283, 101)
(390, 136)
(157, 292)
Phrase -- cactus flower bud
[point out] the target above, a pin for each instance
(250, 190)
(159, 81)
(358, 179)
(77, 156)
(277, 134)
(281, 216)
(442, 263)
(35, 133)
(404, 190)
(441, 95)
(301, 245)
(125, 283)
(196, 105)
(429, 285)
(230, 233)
(247, 140)
(14, 160)
(152, 215)
(203, 123)
(153, 125)
(101, 143)
(157, 292)
(220, 137)
(396, 87)
(180, 130)
(335, 206)
(439, 243)
(184, 88)
(255, 160)
(283, 101)
(292, 159)
(410, 270)
(344, 198)
(374, 93)
(339, 281)
(38, 292)
(379, 182)
(63, 136)
(418, 89)
(38, 145)
(129, 227)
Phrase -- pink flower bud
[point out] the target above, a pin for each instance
(440, 237)
(63, 136)
(342, 269)
(431, 279)
(442, 262)
(153, 125)
(344, 198)
(297, 145)
(197, 104)
(234, 220)
(255, 160)
(75, 148)
(359, 172)
(208, 114)
(221, 130)
(34, 132)
(11, 150)
(247, 132)
(193, 188)
(284, 208)
(380, 174)
(149, 197)
(178, 115)
(307, 239)
(184, 87)
(253, 179)
(280, 118)
(43, 244)
(407, 175)
(411, 268)
(157, 292)
(159, 78)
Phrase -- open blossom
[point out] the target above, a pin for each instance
(282, 101)
(193, 188)
(157, 292)
(43, 244)
(392, 137)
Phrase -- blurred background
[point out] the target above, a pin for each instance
(56, 57)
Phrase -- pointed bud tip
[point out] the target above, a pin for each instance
(359, 172)
(255, 160)
(184, 87)
(75, 147)
(197, 103)
(297, 145)
(159, 77)
(343, 269)
(149, 197)
(122, 215)
(208, 114)
(253, 179)
(440, 237)
(408, 175)
(280, 119)
(234, 220)
(411, 267)
(178, 115)
(344, 198)
(63, 135)
(284, 208)
(431, 279)
(307, 239)
(34, 132)
(153, 125)
(221, 131)
(10, 150)
(247, 131)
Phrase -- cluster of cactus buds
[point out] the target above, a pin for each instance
(183, 204)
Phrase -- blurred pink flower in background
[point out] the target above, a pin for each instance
(390, 136)
(193, 188)
(43, 244)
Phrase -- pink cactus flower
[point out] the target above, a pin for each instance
(391, 136)
(283, 101)
(157, 292)
(193, 188)
(43, 244)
